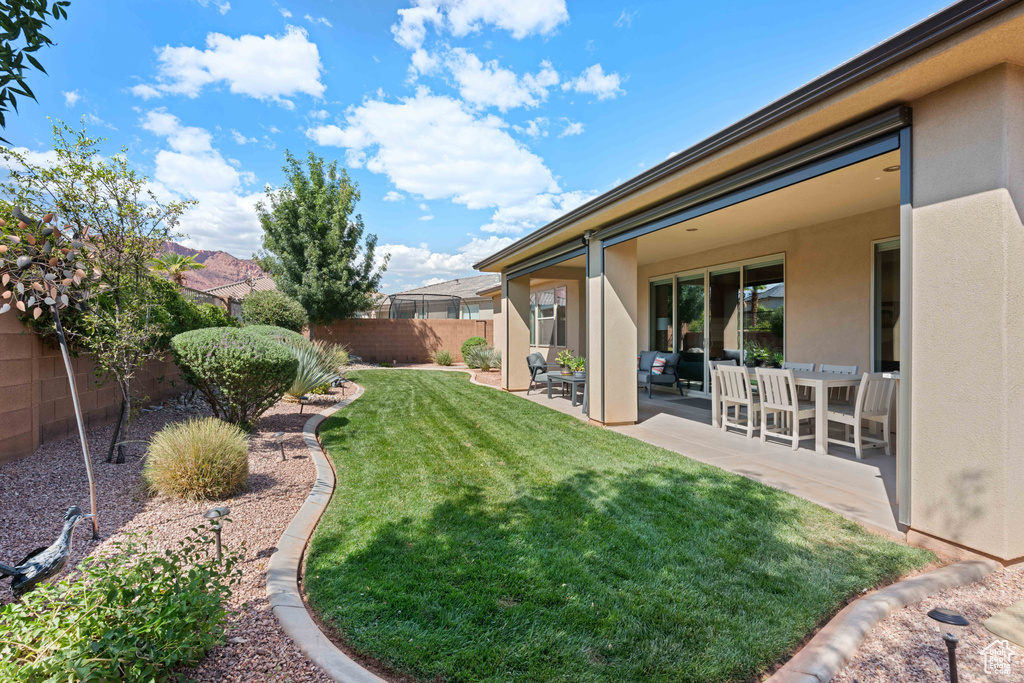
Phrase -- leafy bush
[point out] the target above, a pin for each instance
(272, 307)
(197, 460)
(387, 364)
(441, 357)
(316, 367)
(239, 373)
(278, 334)
(133, 615)
(470, 343)
(483, 357)
(177, 313)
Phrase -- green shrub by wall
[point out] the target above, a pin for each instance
(470, 343)
(241, 374)
(272, 307)
(278, 334)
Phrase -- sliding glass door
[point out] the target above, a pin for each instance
(722, 313)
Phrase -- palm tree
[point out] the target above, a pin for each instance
(175, 266)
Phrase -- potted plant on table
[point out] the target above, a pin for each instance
(564, 359)
(578, 364)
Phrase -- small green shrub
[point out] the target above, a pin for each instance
(272, 307)
(483, 357)
(387, 364)
(470, 343)
(316, 367)
(135, 615)
(321, 390)
(239, 373)
(205, 459)
(441, 357)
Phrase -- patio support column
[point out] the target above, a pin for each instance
(515, 307)
(611, 339)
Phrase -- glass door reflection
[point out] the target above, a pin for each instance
(690, 331)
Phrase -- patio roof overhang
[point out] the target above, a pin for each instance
(961, 40)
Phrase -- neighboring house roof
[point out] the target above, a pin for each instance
(241, 289)
(926, 33)
(463, 287)
(772, 292)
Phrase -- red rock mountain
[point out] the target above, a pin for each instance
(221, 267)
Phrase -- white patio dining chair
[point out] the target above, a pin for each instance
(780, 400)
(874, 397)
(713, 374)
(806, 393)
(736, 393)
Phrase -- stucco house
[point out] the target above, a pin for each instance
(452, 299)
(882, 202)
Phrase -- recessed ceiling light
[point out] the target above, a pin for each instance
(891, 169)
(691, 230)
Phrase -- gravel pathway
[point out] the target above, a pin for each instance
(907, 647)
(35, 492)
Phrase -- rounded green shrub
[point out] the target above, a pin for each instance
(278, 334)
(240, 374)
(272, 307)
(205, 459)
(470, 343)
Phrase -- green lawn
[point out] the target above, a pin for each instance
(477, 536)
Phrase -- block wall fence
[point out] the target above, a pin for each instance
(376, 340)
(35, 401)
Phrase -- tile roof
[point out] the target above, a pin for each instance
(463, 287)
(239, 290)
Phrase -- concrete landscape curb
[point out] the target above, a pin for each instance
(285, 565)
(835, 644)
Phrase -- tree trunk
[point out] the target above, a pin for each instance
(115, 437)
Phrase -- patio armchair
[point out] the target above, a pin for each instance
(691, 367)
(669, 376)
(538, 367)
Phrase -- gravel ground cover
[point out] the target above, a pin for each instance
(907, 646)
(35, 492)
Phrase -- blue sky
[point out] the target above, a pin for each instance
(465, 123)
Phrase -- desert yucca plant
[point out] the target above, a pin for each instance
(483, 357)
(317, 366)
(441, 357)
(198, 459)
(336, 355)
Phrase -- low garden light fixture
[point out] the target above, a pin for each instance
(952, 624)
(302, 402)
(279, 440)
(215, 514)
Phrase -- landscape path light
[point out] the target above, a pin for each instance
(953, 624)
(278, 438)
(214, 515)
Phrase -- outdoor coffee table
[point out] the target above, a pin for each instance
(572, 380)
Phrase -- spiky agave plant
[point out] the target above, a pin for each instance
(315, 368)
(44, 268)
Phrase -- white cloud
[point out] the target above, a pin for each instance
(319, 20)
(267, 68)
(460, 17)
(426, 218)
(222, 7)
(490, 85)
(94, 120)
(71, 98)
(225, 217)
(320, 114)
(432, 281)
(424, 207)
(393, 196)
(419, 262)
(625, 19)
(45, 158)
(435, 147)
(534, 127)
(595, 81)
(284, 13)
(241, 139)
(542, 209)
(570, 128)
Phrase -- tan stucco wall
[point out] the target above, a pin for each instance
(828, 284)
(968, 277)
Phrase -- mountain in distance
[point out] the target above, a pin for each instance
(221, 267)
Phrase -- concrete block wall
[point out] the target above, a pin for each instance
(406, 341)
(35, 400)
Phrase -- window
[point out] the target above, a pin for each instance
(470, 311)
(886, 307)
(547, 317)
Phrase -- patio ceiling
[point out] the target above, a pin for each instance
(852, 190)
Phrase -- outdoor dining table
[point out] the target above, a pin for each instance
(820, 382)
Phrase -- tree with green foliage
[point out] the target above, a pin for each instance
(175, 266)
(22, 23)
(315, 240)
(271, 307)
(127, 227)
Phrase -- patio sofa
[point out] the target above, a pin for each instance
(668, 377)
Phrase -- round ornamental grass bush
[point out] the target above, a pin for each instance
(206, 459)
(273, 307)
(240, 373)
(470, 343)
